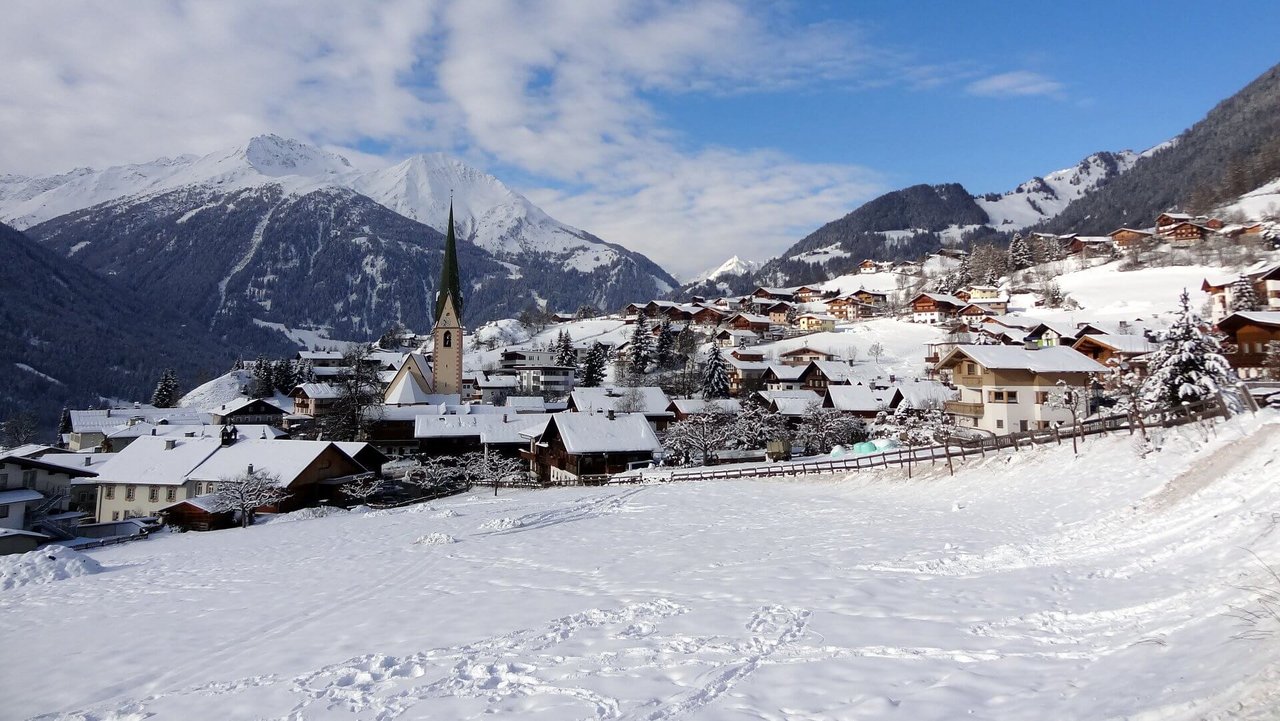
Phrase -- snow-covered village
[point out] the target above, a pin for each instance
(314, 416)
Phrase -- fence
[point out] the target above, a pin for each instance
(956, 449)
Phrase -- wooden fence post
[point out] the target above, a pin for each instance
(951, 470)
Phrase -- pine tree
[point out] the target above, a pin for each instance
(715, 375)
(664, 352)
(640, 352)
(565, 354)
(594, 366)
(963, 274)
(1243, 295)
(264, 382)
(165, 394)
(1188, 366)
(1020, 253)
(285, 375)
(1271, 361)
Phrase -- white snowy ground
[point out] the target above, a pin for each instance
(1030, 586)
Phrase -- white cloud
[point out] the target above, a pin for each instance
(556, 90)
(1017, 83)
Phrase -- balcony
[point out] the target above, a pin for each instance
(973, 410)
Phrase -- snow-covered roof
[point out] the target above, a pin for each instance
(232, 406)
(19, 495)
(147, 460)
(834, 371)
(406, 389)
(1122, 343)
(794, 406)
(489, 428)
(30, 450)
(318, 391)
(942, 298)
(649, 400)
(78, 463)
(315, 355)
(1053, 359)
(243, 431)
(286, 460)
(923, 394)
(98, 421)
(785, 372)
(1260, 317)
(440, 404)
(689, 406)
(751, 318)
(856, 399)
(597, 433)
(525, 403)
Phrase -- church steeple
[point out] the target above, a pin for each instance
(449, 283)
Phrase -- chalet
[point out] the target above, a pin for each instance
(868, 266)
(1250, 332)
(934, 308)
(734, 338)
(860, 400)
(808, 293)
(1263, 277)
(870, 297)
(320, 358)
(745, 372)
(803, 356)
(1105, 347)
(974, 310)
(816, 322)
(707, 315)
(90, 428)
(314, 399)
(777, 311)
(954, 253)
(683, 408)
(390, 428)
(248, 411)
(782, 377)
(1004, 389)
(648, 401)
(818, 375)
(786, 294)
(849, 307)
(1052, 333)
(751, 322)
(1185, 233)
(792, 404)
(1125, 238)
(570, 446)
(520, 358)
(1089, 245)
(448, 435)
(154, 473)
(493, 388)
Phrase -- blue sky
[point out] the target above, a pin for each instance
(690, 131)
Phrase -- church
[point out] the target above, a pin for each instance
(420, 380)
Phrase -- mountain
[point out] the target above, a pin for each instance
(280, 231)
(732, 266)
(1235, 149)
(1042, 198)
(68, 335)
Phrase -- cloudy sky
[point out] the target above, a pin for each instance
(690, 131)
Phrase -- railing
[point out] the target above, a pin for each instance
(963, 409)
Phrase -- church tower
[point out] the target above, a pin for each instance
(446, 359)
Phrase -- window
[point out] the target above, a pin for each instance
(1042, 397)
(448, 339)
(170, 494)
(1002, 396)
(111, 492)
(28, 479)
(128, 493)
(4, 510)
(970, 369)
(153, 494)
(115, 515)
(999, 424)
(1022, 425)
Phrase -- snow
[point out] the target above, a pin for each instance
(735, 266)
(44, 565)
(596, 433)
(1264, 202)
(34, 372)
(307, 338)
(1028, 586)
(1106, 293)
(903, 345)
(1053, 359)
(1043, 198)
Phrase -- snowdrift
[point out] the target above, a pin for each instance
(44, 565)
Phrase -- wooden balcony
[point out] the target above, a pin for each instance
(973, 410)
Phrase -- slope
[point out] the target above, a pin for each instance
(67, 336)
(1028, 586)
(1233, 150)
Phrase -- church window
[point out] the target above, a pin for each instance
(448, 339)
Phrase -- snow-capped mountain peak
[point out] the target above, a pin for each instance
(275, 156)
(732, 266)
(1045, 197)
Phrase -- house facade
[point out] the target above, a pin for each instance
(1249, 333)
(573, 445)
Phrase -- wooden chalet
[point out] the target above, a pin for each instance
(1249, 332)
(734, 338)
(803, 356)
(1186, 233)
(199, 513)
(684, 408)
(750, 321)
(870, 297)
(777, 311)
(248, 411)
(860, 400)
(708, 315)
(1103, 347)
(314, 399)
(816, 322)
(868, 266)
(746, 371)
(819, 375)
(781, 377)
(1129, 237)
(808, 293)
(786, 294)
(573, 445)
(934, 308)
(1091, 245)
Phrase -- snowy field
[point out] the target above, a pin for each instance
(1029, 586)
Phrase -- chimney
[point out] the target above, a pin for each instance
(612, 415)
(251, 469)
(88, 460)
(153, 431)
(108, 413)
(169, 444)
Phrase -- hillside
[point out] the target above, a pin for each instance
(1027, 586)
(1232, 151)
(289, 233)
(68, 336)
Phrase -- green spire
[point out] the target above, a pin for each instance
(449, 283)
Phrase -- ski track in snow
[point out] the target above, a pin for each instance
(255, 242)
(1079, 606)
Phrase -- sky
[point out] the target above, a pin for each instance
(690, 131)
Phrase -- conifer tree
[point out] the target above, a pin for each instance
(1243, 295)
(1188, 366)
(715, 375)
(594, 366)
(1020, 253)
(264, 382)
(664, 352)
(565, 354)
(640, 351)
(165, 394)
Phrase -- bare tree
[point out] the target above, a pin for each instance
(359, 398)
(875, 351)
(248, 492)
(1072, 399)
(699, 436)
(821, 429)
(18, 429)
